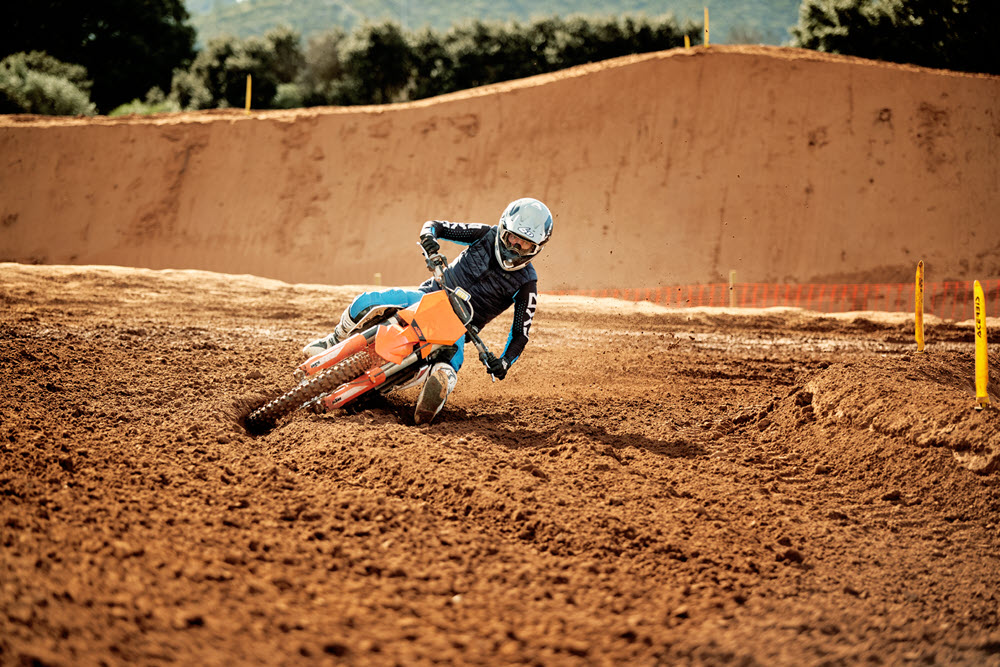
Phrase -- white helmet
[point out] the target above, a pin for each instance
(525, 226)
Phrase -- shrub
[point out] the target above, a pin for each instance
(289, 96)
(37, 83)
(127, 46)
(189, 91)
(155, 102)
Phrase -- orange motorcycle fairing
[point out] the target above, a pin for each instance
(394, 343)
(432, 321)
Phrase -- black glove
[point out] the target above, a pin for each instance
(497, 367)
(429, 244)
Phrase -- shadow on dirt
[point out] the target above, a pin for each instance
(505, 432)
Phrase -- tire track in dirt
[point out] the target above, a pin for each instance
(666, 489)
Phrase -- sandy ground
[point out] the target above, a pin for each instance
(646, 487)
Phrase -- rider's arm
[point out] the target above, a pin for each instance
(524, 311)
(463, 233)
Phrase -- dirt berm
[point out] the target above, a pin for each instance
(666, 168)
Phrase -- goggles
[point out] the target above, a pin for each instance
(518, 245)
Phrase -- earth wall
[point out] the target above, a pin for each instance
(661, 169)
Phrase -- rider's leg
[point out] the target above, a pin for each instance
(387, 297)
(438, 385)
(459, 356)
(357, 310)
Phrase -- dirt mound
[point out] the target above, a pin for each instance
(890, 398)
(646, 487)
(661, 169)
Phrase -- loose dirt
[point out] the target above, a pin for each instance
(646, 487)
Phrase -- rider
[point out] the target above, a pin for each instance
(495, 269)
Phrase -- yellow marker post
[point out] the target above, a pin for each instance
(732, 288)
(706, 26)
(982, 363)
(249, 85)
(918, 307)
(687, 41)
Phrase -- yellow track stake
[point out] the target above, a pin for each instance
(706, 26)
(249, 85)
(982, 363)
(918, 307)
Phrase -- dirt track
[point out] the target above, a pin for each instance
(646, 487)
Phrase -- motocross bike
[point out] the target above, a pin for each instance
(393, 347)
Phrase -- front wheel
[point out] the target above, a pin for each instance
(265, 417)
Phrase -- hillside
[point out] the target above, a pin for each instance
(731, 21)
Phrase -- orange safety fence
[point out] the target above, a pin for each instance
(948, 300)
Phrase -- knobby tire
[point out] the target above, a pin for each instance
(324, 382)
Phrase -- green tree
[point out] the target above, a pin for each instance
(318, 80)
(288, 57)
(595, 39)
(38, 83)
(127, 46)
(433, 65)
(381, 63)
(477, 53)
(482, 52)
(377, 63)
(218, 75)
(947, 34)
(477, 56)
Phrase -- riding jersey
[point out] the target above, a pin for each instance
(493, 289)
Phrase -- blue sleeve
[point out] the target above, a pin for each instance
(525, 302)
(462, 233)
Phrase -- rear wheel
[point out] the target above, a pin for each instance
(326, 381)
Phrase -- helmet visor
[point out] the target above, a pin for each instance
(517, 244)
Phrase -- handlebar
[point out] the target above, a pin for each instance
(438, 265)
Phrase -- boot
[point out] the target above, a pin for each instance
(437, 387)
(340, 333)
